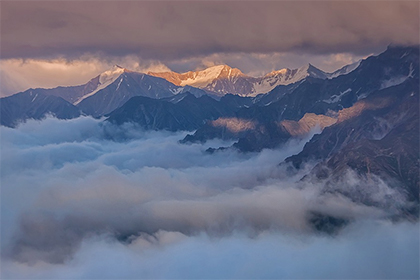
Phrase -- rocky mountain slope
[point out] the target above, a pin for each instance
(34, 105)
(378, 137)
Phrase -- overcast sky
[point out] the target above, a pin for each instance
(68, 42)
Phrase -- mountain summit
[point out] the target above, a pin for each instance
(201, 78)
(104, 80)
(220, 79)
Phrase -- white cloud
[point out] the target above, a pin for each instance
(68, 194)
(363, 251)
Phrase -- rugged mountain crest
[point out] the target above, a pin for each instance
(222, 79)
(201, 78)
(112, 88)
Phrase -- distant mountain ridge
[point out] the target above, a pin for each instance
(222, 79)
(111, 89)
(114, 87)
(288, 98)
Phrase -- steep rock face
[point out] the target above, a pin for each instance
(34, 105)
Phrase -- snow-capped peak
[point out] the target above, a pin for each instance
(105, 79)
(229, 72)
(277, 72)
(312, 71)
(286, 76)
(110, 75)
(223, 79)
(205, 77)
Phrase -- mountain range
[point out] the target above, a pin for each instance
(222, 79)
(111, 89)
(366, 115)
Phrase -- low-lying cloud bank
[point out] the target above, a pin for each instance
(80, 199)
(364, 251)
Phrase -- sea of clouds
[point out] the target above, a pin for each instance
(85, 199)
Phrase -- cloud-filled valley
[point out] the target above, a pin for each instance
(73, 190)
(209, 140)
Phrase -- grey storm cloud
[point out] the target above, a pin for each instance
(84, 199)
(167, 30)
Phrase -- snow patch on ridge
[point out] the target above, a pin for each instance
(344, 70)
(285, 77)
(336, 98)
(394, 81)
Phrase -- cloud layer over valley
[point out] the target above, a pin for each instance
(84, 199)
